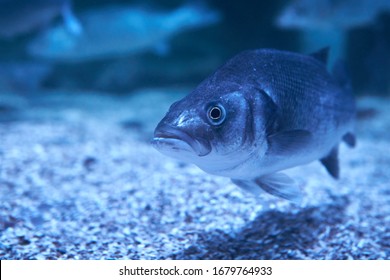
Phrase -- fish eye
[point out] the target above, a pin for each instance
(216, 114)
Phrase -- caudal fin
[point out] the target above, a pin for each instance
(341, 74)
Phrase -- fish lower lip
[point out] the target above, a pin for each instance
(172, 135)
(173, 144)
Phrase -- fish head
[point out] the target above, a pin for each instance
(216, 134)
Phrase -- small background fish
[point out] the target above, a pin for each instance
(327, 22)
(128, 30)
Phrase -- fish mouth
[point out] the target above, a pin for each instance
(178, 139)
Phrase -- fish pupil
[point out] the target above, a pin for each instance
(215, 113)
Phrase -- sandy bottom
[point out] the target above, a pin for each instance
(79, 180)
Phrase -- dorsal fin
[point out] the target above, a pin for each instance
(321, 55)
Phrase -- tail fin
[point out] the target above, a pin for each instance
(341, 74)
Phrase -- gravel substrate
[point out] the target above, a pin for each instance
(79, 180)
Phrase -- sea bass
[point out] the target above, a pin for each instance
(331, 14)
(326, 22)
(262, 112)
(114, 31)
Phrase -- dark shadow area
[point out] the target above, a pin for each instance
(273, 235)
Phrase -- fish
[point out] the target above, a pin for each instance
(331, 14)
(262, 112)
(18, 17)
(327, 22)
(116, 31)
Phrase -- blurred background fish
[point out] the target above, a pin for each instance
(124, 45)
(326, 22)
(18, 17)
(113, 31)
(331, 14)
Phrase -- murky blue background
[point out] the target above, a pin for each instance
(191, 54)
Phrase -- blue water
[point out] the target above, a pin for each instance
(188, 55)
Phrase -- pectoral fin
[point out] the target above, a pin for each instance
(277, 184)
(289, 142)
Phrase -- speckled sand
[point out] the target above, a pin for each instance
(79, 180)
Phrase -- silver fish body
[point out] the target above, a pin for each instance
(262, 112)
